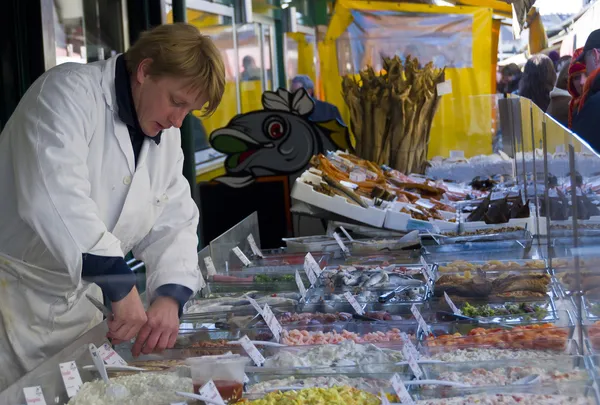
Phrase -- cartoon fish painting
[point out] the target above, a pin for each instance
(278, 140)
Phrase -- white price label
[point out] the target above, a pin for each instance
(417, 314)
(310, 261)
(384, 398)
(401, 391)
(357, 307)
(209, 391)
(272, 322)
(426, 277)
(210, 266)
(252, 351)
(71, 378)
(427, 268)
(340, 242)
(254, 246)
(498, 195)
(238, 252)
(253, 302)
(442, 89)
(34, 396)
(412, 362)
(425, 203)
(453, 307)
(408, 343)
(201, 281)
(109, 356)
(300, 284)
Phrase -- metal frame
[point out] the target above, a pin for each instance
(214, 8)
(125, 23)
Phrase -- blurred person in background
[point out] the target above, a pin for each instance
(510, 77)
(576, 81)
(251, 71)
(323, 110)
(554, 57)
(562, 62)
(538, 80)
(586, 119)
(560, 98)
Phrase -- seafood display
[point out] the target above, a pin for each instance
(338, 395)
(490, 231)
(347, 353)
(371, 278)
(302, 337)
(458, 266)
(535, 337)
(499, 211)
(483, 284)
(509, 399)
(366, 384)
(524, 309)
(240, 303)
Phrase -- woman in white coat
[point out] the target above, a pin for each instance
(90, 169)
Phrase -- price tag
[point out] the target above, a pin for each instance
(408, 343)
(252, 351)
(253, 302)
(412, 362)
(341, 243)
(457, 154)
(357, 176)
(71, 378)
(246, 379)
(359, 310)
(210, 266)
(209, 391)
(241, 256)
(254, 246)
(427, 268)
(445, 88)
(272, 322)
(109, 356)
(425, 273)
(498, 195)
(425, 203)
(34, 396)
(300, 284)
(453, 307)
(384, 398)
(401, 391)
(310, 261)
(201, 281)
(417, 314)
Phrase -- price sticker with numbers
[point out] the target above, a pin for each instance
(300, 285)
(252, 351)
(311, 266)
(272, 322)
(71, 378)
(352, 300)
(453, 307)
(417, 314)
(427, 268)
(210, 266)
(400, 390)
(243, 258)
(409, 344)
(412, 362)
(209, 391)
(34, 396)
(109, 356)
(255, 250)
(340, 242)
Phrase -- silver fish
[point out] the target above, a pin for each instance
(377, 279)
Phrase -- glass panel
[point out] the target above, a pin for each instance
(69, 32)
(268, 56)
(301, 57)
(250, 61)
(264, 7)
(445, 39)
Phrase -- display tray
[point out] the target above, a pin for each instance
(591, 307)
(521, 234)
(510, 312)
(283, 263)
(307, 244)
(567, 281)
(408, 270)
(349, 278)
(591, 330)
(500, 250)
(328, 298)
(508, 264)
(495, 285)
(406, 258)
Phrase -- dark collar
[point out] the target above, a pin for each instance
(127, 112)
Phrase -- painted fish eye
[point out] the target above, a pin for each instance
(275, 128)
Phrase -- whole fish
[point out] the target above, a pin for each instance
(379, 278)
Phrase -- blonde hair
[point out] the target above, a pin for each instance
(180, 50)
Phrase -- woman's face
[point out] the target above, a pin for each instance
(579, 81)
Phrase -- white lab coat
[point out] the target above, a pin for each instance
(70, 186)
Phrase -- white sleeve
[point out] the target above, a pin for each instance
(50, 149)
(169, 251)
